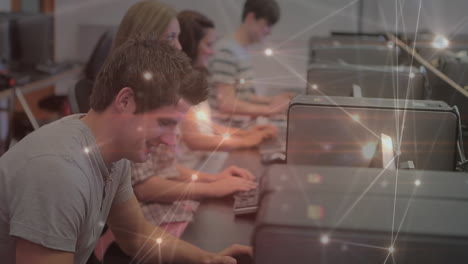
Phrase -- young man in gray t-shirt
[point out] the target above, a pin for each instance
(232, 77)
(60, 184)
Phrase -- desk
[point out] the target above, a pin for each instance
(39, 81)
(215, 227)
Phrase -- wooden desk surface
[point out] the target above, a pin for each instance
(215, 227)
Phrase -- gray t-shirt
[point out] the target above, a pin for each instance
(231, 64)
(56, 191)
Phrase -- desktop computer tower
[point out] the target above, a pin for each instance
(347, 131)
(446, 185)
(371, 81)
(303, 227)
(354, 54)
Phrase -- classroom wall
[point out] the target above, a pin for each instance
(5, 5)
(78, 25)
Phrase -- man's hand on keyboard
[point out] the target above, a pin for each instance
(230, 185)
(235, 171)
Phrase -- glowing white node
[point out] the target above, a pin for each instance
(314, 86)
(194, 177)
(355, 117)
(411, 75)
(417, 182)
(86, 150)
(324, 239)
(391, 249)
(226, 136)
(148, 76)
(242, 81)
(268, 52)
(440, 42)
(201, 115)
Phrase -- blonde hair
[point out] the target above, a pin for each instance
(144, 18)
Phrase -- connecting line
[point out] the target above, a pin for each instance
(324, 95)
(358, 244)
(394, 203)
(317, 23)
(361, 196)
(180, 198)
(411, 63)
(274, 78)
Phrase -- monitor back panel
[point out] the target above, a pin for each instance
(291, 228)
(358, 181)
(375, 82)
(35, 34)
(345, 131)
(354, 54)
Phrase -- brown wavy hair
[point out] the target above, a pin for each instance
(193, 26)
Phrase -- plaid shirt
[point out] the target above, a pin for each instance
(162, 164)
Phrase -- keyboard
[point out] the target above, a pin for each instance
(246, 202)
(274, 144)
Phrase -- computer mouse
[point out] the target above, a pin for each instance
(272, 158)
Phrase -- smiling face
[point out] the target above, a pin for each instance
(172, 34)
(206, 48)
(140, 134)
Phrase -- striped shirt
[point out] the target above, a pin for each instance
(231, 64)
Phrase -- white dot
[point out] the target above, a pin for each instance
(242, 81)
(411, 75)
(86, 150)
(417, 182)
(268, 52)
(201, 115)
(148, 76)
(391, 249)
(194, 177)
(398, 152)
(355, 117)
(390, 44)
(324, 239)
(226, 136)
(159, 241)
(101, 224)
(314, 86)
(440, 42)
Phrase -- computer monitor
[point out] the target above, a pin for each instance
(373, 81)
(346, 131)
(35, 34)
(4, 41)
(354, 54)
(31, 38)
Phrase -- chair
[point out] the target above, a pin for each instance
(78, 95)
